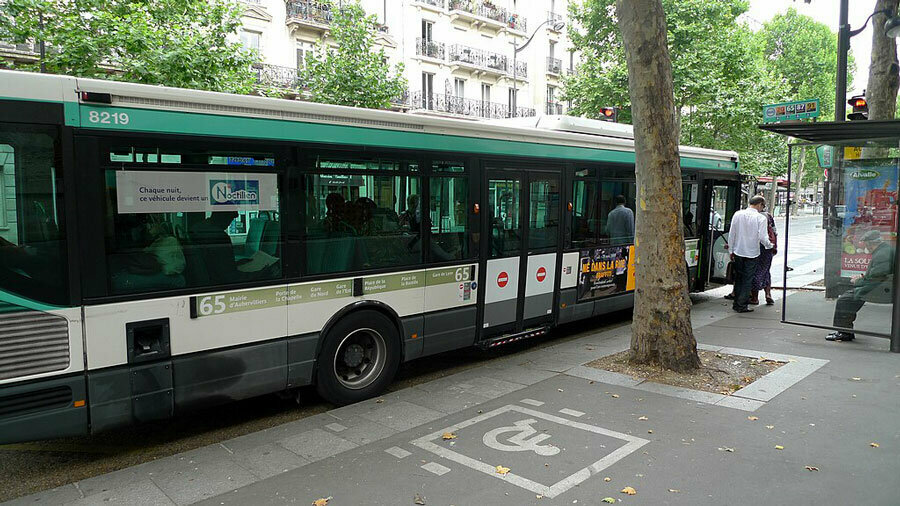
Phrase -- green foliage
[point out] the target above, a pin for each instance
(723, 73)
(181, 43)
(352, 73)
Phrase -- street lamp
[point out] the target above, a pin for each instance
(557, 25)
(891, 29)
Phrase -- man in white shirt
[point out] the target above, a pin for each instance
(749, 229)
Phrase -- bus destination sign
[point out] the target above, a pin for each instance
(787, 111)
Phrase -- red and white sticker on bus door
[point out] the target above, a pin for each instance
(502, 279)
(541, 274)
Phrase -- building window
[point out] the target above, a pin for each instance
(427, 90)
(513, 100)
(459, 87)
(250, 40)
(427, 31)
(552, 49)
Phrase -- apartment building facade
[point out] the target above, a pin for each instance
(459, 56)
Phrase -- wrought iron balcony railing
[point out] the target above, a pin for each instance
(554, 65)
(430, 48)
(275, 75)
(554, 107)
(315, 12)
(451, 104)
(553, 18)
(488, 10)
(479, 58)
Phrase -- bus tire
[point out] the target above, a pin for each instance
(360, 356)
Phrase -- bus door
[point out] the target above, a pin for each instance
(723, 199)
(521, 225)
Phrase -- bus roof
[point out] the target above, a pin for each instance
(546, 130)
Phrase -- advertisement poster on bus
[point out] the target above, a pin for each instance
(605, 271)
(185, 192)
(870, 188)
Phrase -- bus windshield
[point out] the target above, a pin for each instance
(32, 235)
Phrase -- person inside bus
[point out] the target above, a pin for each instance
(620, 223)
(147, 255)
(334, 214)
(875, 285)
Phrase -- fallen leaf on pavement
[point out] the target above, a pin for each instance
(779, 447)
(674, 490)
(448, 435)
(538, 496)
(418, 499)
(726, 449)
(607, 478)
(502, 470)
(856, 379)
(811, 468)
(649, 432)
(559, 389)
(629, 491)
(379, 401)
(770, 427)
(608, 500)
(753, 418)
(642, 418)
(615, 396)
(321, 502)
(874, 445)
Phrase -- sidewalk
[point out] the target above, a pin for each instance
(562, 429)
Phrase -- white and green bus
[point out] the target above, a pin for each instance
(165, 249)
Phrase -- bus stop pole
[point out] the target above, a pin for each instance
(895, 310)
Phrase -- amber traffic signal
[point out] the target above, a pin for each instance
(860, 108)
(608, 114)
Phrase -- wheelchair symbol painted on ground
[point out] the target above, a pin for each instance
(517, 432)
(525, 439)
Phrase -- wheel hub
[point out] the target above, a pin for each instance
(354, 355)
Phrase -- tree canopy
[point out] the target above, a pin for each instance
(181, 43)
(346, 69)
(723, 72)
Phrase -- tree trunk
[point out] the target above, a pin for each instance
(884, 72)
(661, 328)
(795, 201)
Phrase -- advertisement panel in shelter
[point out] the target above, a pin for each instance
(870, 204)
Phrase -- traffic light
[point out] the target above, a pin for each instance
(860, 108)
(608, 114)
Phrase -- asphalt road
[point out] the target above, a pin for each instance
(31, 467)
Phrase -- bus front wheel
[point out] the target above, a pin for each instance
(359, 359)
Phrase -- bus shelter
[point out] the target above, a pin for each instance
(858, 291)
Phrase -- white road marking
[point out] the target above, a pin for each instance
(632, 443)
(436, 468)
(398, 452)
(571, 412)
(532, 402)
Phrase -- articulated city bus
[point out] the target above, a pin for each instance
(165, 249)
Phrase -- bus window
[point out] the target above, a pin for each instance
(543, 219)
(449, 219)
(503, 204)
(362, 221)
(617, 212)
(172, 230)
(32, 233)
(585, 220)
(689, 195)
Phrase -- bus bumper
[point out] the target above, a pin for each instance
(43, 409)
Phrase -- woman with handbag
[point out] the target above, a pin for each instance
(762, 280)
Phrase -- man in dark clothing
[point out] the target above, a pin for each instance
(873, 286)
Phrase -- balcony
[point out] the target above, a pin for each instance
(521, 70)
(430, 49)
(311, 16)
(458, 106)
(554, 66)
(554, 107)
(435, 5)
(478, 61)
(485, 14)
(552, 19)
(277, 76)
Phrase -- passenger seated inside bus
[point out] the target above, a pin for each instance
(147, 256)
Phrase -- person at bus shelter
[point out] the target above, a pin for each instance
(762, 280)
(749, 231)
(872, 286)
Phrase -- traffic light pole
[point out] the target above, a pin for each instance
(840, 96)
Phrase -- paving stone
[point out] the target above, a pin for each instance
(447, 401)
(402, 415)
(206, 472)
(59, 495)
(335, 427)
(139, 493)
(268, 460)
(316, 444)
(731, 401)
(519, 374)
(682, 393)
(601, 376)
(491, 387)
(363, 431)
